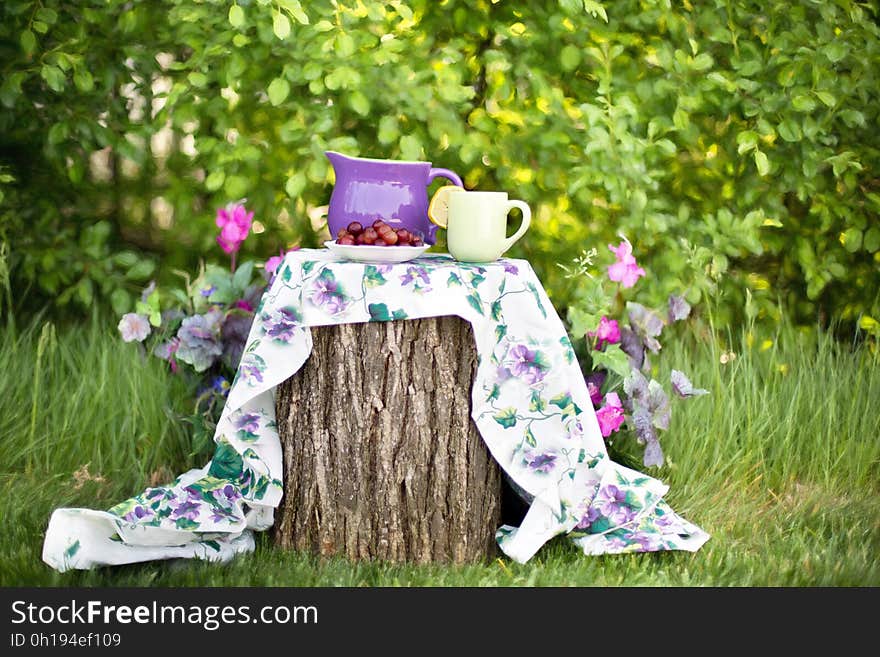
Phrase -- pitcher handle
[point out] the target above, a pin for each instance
(523, 227)
(444, 173)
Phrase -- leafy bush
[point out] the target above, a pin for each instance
(738, 131)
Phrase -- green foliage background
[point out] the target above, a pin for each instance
(733, 142)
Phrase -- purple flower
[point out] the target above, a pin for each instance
(251, 371)
(199, 337)
(234, 222)
(138, 513)
(228, 493)
(594, 386)
(683, 386)
(625, 270)
(249, 422)
(327, 294)
(617, 543)
(589, 518)
(510, 268)
(610, 416)
(167, 351)
(608, 332)
(526, 364)
(281, 324)
(134, 327)
(220, 385)
(645, 540)
(208, 291)
(679, 308)
(188, 509)
(412, 273)
(542, 462)
(611, 502)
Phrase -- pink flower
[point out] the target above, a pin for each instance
(273, 263)
(610, 416)
(625, 270)
(134, 327)
(235, 223)
(607, 333)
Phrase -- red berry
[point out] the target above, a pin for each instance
(417, 241)
(342, 233)
(390, 237)
(355, 228)
(378, 224)
(348, 240)
(403, 234)
(371, 233)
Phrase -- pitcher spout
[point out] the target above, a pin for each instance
(337, 159)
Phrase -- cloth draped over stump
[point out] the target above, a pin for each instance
(530, 404)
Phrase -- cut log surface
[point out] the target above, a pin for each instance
(381, 457)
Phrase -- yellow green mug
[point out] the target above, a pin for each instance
(476, 228)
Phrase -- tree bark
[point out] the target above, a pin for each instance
(381, 457)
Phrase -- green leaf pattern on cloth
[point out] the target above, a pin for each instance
(529, 402)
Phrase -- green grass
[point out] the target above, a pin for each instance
(781, 464)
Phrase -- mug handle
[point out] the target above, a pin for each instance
(444, 173)
(523, 227)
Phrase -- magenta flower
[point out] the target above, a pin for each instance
(134, 327)
(607, 333)
(235, 223)
(625, 270)
(610, 416)
(243, 304)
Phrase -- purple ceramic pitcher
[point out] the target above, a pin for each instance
(395, 191)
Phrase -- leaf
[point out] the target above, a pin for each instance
(570, 57)
(28, 42)
(373, 277)
(762, 162)
(746, 141)
(506, 418)
(789, 131)
(359, 103)
(562, 400)
(537, 403)
(530, 438)
(294, 7)
(280, 25)
(53, 76)
(534, 291)
(197, 79)
(236, 16)
(215, 179)
(226, 463)
(399, 314)
(803, 103)
(453, 280)
(826, 98)
(83, 80)
(379, 312)
(496, 390)
(278, 91)
(242, 277)
(613, 359)
(500, 332)
(476, 302)
(496, 310)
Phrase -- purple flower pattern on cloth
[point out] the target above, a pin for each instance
(525, 364)
(328, 294)
(612, 503)
(281, 324)
(418, 277)
(542, 462)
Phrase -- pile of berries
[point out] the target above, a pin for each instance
(379, 234)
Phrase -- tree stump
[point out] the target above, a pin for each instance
(381, 457)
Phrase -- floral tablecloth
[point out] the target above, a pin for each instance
(529, 402)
